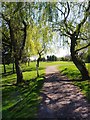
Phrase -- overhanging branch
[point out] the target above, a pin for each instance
(82, 48)
(78, 27)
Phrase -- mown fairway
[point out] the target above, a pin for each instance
(22, 101)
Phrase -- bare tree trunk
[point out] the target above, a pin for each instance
(81, 67)
(14, 44)
(37, 65)
(37, 70)
(4, 66)
(78, 62)
(28, 63)
(18, 71)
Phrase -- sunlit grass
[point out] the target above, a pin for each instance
(70, 70)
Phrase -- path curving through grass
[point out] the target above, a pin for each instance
(62, 99)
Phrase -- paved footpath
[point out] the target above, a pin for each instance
(61, 99)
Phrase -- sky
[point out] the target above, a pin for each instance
(62, 52)
(58, 47)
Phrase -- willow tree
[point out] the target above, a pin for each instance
(13, 17)
(72, 18)
(38, 39)
(72, 27)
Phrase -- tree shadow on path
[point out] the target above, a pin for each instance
(62, 100)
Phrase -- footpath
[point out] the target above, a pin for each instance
(61, 99)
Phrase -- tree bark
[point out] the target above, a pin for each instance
(28, 63)
(78, 63)
(4, 66)
(18, 71)
(81, 66)
(37, 65)
(14, 44)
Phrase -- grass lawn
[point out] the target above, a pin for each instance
(70, 70)
(22, 101)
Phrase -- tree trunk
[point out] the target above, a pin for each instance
(28, 63)
(78, 62)
(4, 66)
(81, 67)
(14, 43)
(37, 65)
(37, 70)
(18, 71)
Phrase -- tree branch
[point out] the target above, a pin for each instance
(82, 38)
(60, 11)
(8, 38)
(87, 13)
(6, 44)
(82, 48)
(6, 19)
(68, 11)
(65, 18)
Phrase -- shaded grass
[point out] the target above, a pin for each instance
(22, 101)
(70, 70)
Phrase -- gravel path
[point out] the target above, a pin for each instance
(61, 99)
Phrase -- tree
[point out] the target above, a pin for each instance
(51, 58)
(38, 38)
(16, 25)
(71, 25)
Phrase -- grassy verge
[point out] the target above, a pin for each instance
(70, 70)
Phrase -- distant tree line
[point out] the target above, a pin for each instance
(52, 58)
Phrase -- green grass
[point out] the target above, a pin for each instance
(22, 101)
(70, 70)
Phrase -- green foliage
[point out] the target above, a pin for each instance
(38, 38)
(66, 58)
